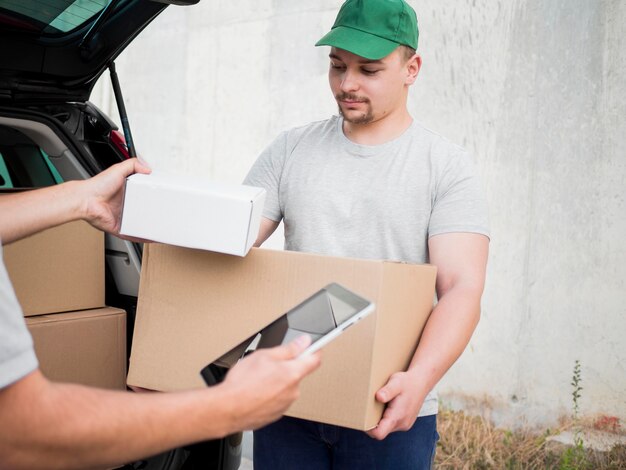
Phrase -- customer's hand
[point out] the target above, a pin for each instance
(103, 195)
(267, 383)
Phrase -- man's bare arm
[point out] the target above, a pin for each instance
(44, 425)
(461, 260)
(97, 200)
(268, 226)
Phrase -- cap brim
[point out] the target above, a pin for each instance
(358, 42)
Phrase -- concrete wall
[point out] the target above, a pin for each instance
(534, 88)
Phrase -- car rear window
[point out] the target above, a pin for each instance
(49, 17)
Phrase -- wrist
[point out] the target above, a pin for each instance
(221, 411)
(421, 380)
(76, 199)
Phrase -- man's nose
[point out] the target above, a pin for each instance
(349, 82)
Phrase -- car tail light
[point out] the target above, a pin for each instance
(117, 139)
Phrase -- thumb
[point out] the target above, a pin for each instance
(140, 166)
(389, 391)
(292, 349)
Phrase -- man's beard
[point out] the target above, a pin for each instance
(364, 118)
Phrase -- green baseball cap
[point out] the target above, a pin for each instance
(373, 28)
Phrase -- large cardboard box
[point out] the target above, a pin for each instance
(194, 306)
(58, 270)
(192, 212)
(86, 347)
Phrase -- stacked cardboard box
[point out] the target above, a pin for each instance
(58, 270)
(86, 346)
(58, 277)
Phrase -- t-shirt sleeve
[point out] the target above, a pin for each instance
(266, 173)
(17, 356)
(459, 204)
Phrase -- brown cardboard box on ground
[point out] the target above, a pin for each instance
(58, 270)
(85, 347)
(195, 305)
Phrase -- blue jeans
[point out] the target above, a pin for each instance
(296, 444)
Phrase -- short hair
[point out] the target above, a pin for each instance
(407, 52)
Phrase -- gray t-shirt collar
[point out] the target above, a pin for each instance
(365, 151)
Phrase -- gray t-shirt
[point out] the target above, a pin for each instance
(17, 356)
(379, 202)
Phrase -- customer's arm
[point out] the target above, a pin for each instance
(461, 260)
(97, 200)
(60, 426)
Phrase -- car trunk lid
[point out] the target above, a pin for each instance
(55, 51)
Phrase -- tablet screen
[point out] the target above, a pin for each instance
(320, 314)
(316, 316)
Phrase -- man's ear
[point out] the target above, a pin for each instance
(413, 66)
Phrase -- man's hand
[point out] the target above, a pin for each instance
(267, 382)
(403, 399)
(103, 195)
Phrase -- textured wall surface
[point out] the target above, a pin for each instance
(535, 89)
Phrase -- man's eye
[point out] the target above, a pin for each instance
(370, 72)
(337, 66)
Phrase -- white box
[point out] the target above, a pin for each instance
(191, 212)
